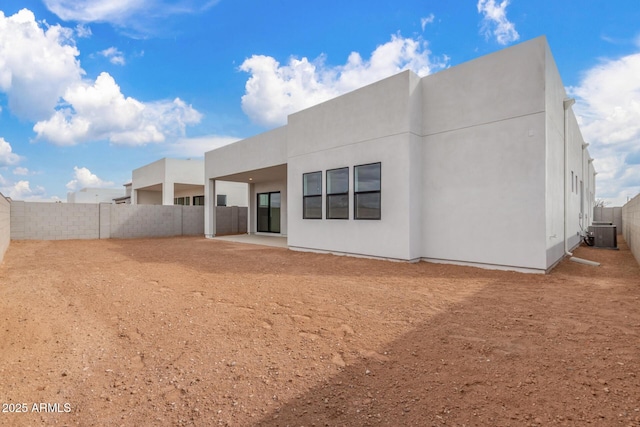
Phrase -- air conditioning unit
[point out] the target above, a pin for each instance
(604, 236)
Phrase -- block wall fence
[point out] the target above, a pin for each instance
(63, 221)
(5, 225)
(631, 225)
(611, 214)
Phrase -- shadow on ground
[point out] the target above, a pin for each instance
(560, 349)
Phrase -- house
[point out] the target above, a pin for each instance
(480, 164)
(180, 182)
(126, 199)
(94, 195)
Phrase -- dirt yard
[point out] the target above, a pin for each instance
(188, 331)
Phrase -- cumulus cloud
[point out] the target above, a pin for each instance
(36, 64)
(495, 22)
(100, 111)
(113, 55)
(608, 108)
(22, 190)
(7, 156)
(274, 91)
(43, 80)
(83, 178)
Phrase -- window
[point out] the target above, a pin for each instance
(312, 195)
(181, 201)
(367, 191)
(338, 193)
(198, 200)
(221, 200)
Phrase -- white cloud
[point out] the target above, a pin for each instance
(196, 147)
(100, 111)
(7, 156)
(83, 31)
(608, 109)
(83, 178)
(22, 190)
(43, 81)
(427, 20)
(36, 64)
(113, 55)
(495, 22)
(139, 16)
(274, 91)
(21, 171)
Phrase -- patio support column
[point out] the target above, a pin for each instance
(167, 193)
(210, 208)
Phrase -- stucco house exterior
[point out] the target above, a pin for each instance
(480, 164)
(95, 195)
(179, 182)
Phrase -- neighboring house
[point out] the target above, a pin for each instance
(94, 195)
(179, 182)
(480, 164)
(126, 199)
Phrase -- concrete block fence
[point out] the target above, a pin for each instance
(631, 225)
(62, 221)
(5, 225)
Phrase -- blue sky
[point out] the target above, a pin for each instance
(92, 89)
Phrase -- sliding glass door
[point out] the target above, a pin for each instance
(269, 212)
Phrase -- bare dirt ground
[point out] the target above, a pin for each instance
(188, 331)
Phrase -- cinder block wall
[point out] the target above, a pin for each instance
(5, 225)
(193, 220)
(231, 220)
(60, 221)
(612, 214)
(131, 221)
(54, 221)
(631, 225)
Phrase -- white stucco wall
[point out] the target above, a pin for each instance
(167, 177)
(369, 125)
(472, 162)
(259, 160)
(484, 159)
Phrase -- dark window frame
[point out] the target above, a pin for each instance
(198, 200)
(270, 209)
(357, 193)
(336, 195)
(307, 197)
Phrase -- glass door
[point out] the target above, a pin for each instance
(269, 212)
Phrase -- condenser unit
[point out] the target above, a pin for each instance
(604, 236)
